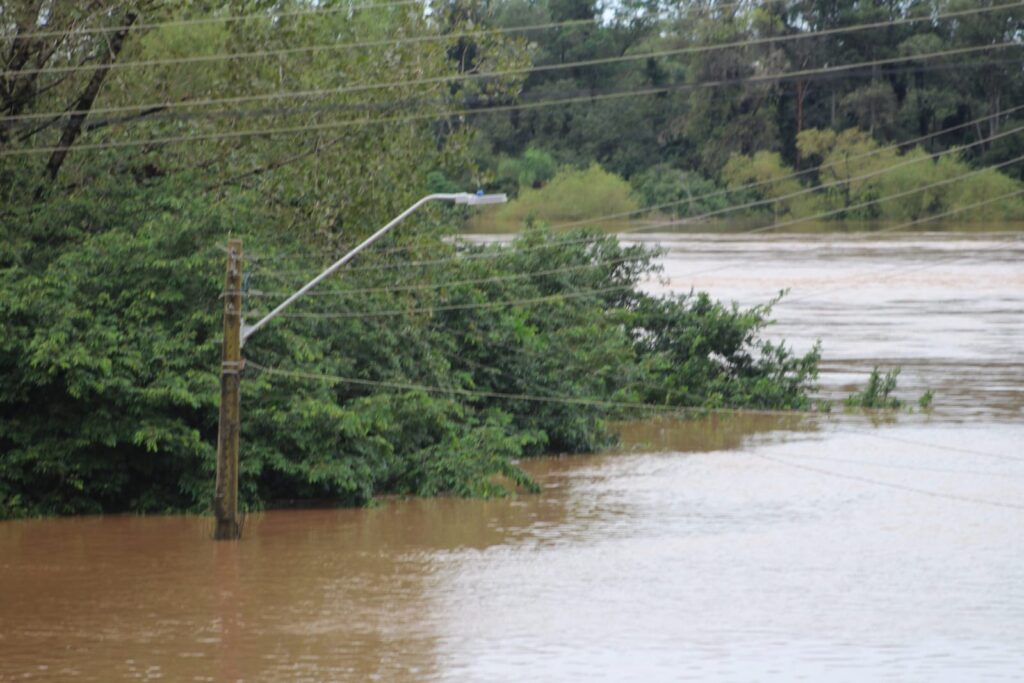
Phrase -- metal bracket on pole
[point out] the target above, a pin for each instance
(467, 198)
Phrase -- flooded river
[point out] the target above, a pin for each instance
(825, 547)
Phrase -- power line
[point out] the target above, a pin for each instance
(898, 195)
(871, 434)
(605, 403)
(459, 283)
(162, 113)
(441, 261)
(741, 188)
(217, 20)
(567, 400)
(325, 11)
(430, 310)
(533, 397)
(433, 80)
(874, 434)
(486, 110)
(941, 447)
(775, 226)
(551, 298)
(903, 226)
(790, 176)
(836, 183)
(898, 466)
(737, 189)
(555, 298)
(553, 271)
(900, 487)
(397, 41)
(253, 54)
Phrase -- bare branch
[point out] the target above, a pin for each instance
(317, 147)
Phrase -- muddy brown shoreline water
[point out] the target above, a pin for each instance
(730, 548)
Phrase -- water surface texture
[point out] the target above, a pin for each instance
(739, 548)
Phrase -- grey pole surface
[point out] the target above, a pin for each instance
(458, 198)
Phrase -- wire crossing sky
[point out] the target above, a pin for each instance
(175, 139)
(694, 49)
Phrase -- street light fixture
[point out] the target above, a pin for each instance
(467, 198)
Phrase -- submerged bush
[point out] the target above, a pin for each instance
(111, 347)
(572, 195)
(877, 393)
(678, 192)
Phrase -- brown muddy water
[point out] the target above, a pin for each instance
(836, 547)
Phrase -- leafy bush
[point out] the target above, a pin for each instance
(535, 168)
(684, 192)
(572, 195)
(110, 357)
(877, 393)
(772, 183)
(985, 186)
(925, 400)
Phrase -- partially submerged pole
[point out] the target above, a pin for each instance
(225, 497)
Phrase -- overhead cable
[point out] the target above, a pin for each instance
(906, 270)
(836, 183)
(227, 18)
(694, 49)
(407, 386)
(889, 484)
(460, 283)
(556, 298)
(174, 139)
(776, 225)
(472, 76)
(789, 176)
(734, 190)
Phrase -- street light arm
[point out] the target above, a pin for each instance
(458, 198)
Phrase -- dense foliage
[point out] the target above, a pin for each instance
(111, 350)
(686, 147)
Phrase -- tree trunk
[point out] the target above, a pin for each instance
(81, 109)
(801, 94)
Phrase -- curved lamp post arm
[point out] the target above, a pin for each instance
(458, 198)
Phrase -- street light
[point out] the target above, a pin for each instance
(470, 199)
(225, 498)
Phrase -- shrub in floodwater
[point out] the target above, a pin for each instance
(109, 389)
(925, 402)
(877, 393)
(571, 195)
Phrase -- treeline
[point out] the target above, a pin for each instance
(693, 121)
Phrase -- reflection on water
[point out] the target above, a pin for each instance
(730, 548)
(714, 433)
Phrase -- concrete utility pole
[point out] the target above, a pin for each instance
(225, 497)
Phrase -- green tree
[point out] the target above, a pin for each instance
(680, 192)
(774, 184)
(572, 195)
